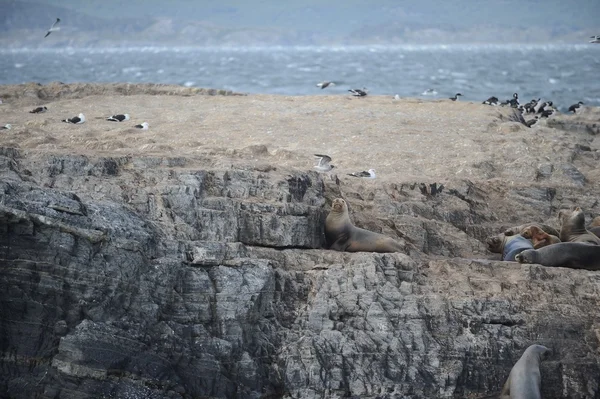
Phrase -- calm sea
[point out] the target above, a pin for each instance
(564, 74)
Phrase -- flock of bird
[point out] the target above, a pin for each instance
(79, 119)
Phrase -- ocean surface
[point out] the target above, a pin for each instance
(564, 74)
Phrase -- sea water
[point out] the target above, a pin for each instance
(563, 73)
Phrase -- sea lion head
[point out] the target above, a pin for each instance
(536, 350)
(573, 217)
(595, 222)
(495, 243)
(339, 205)
(529, 232)
(527, 256)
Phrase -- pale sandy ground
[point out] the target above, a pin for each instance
(404, 140)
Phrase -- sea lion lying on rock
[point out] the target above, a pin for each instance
(544, 227)
(576, 255)
(525, 379)
(572, 227)
(539, 237)
(508, 246)
(342, 235)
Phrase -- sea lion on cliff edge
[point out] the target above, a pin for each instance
(572, 227)
(576, 255)
(342, 235)
(539, 237)
(519, 229)
(508, 246)
(525, 379)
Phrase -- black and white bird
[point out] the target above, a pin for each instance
(546, 105)
(532, 122)
(8, 126)
(325, 84)
(429, 92)
(595, 39)
(53, 28)
(323, 165)
(370, 174)
(118, 118)
(573, 108)
(530, 106)
(143, 126)
(455, 97)
(514, 102)
(38, 110)
(76, 119)
(491, 101)
(547, 112)
(359, 92)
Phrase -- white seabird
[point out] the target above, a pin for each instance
(595, 39)
(324, 84)
(143, 126)
(38, 110)
(323, 165)
(8, 126)
(370, 174)
(455, 97)
(53, 28)
(118, 118)
(76, 119)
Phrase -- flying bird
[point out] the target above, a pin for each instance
(79, 119)
(118, 118)
(359, 92)
(143, 126)
(325, 84)
(38, 110)
(53, 28)
(595, 39)
(370, 174)
(323, 165)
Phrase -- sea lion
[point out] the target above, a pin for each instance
(576, 255)
(519, 229)
(572, 227)
(508, 246)
(525, 379)
(342, 235)
(539, 237)
(594, 227)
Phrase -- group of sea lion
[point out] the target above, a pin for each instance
(572, 246)
(527, 243)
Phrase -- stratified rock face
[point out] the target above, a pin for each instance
(148, 278)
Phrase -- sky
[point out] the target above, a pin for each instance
(344, 16)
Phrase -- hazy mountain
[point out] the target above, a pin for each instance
(229, 22)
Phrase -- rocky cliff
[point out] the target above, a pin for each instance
(162, 276)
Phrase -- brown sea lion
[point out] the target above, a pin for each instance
(342, 235)
(594, 227)
(519, 229)
(525, 379)
(508, 246)
(572, 227)
(576, 255)
(539, 237)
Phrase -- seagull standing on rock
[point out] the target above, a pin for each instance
(53, 28)
(323, 165)
(370, 174)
